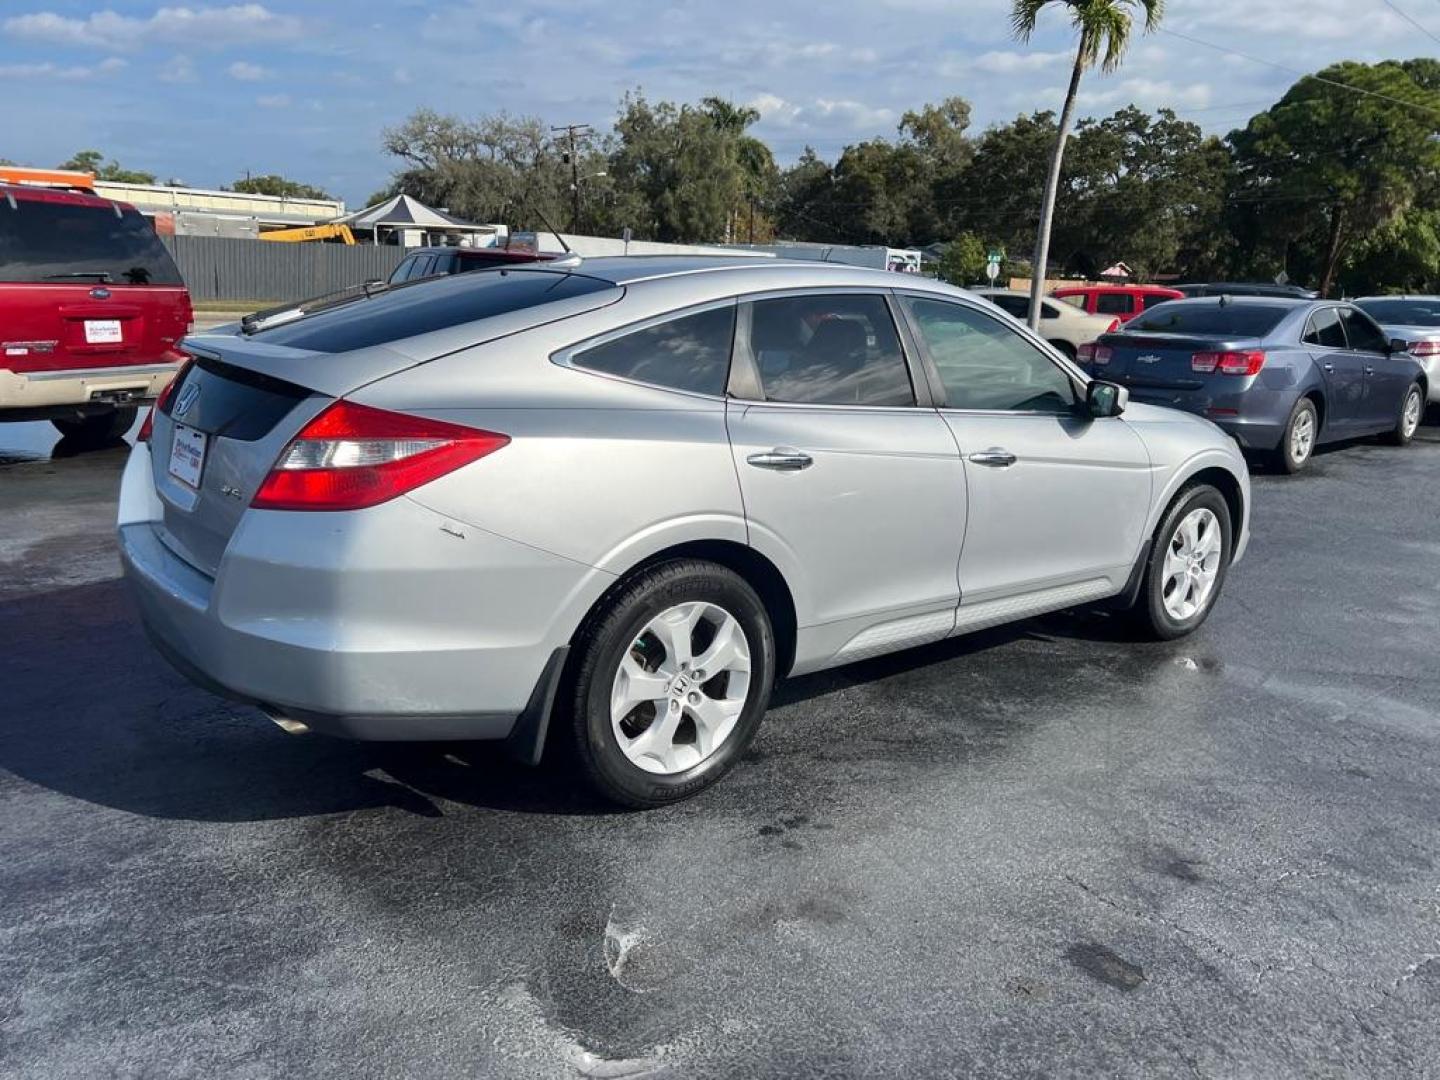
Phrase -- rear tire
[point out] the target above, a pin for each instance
(651, 726)
(1187, 566)
(1298, 441)
(98, 428)
(1412, 411)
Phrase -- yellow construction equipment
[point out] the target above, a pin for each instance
(341, 233)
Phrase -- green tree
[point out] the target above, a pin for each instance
(1328, 167)
(270, 184)
(760, 176)
(93, 161)
(963, 260)
(1104, 34)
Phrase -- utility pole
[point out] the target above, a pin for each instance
(572, 133)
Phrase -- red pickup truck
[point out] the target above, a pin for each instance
(92, 310)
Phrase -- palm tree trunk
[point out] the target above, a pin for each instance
(1052, 186)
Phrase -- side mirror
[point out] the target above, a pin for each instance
(1399, 345)
(1104, 399)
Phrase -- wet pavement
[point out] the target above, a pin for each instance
(1043, 850)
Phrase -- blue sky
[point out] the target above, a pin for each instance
(205, 91)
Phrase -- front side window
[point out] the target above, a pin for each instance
(1324, 329)
(689, 353)
(1114, 304)
(985, 364)
(1363, 332)
(829, 350)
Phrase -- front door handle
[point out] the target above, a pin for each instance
(782, 459)
(994, 458)
(1329, 366)
(1369, 370)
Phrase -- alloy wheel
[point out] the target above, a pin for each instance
(1192, 564)
(680, 687)
(1302, 436)
(1410, 418)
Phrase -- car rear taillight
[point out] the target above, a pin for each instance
(1424, 348)
(353, 456)
(1090, 353)
(1228, 363)
(148, 427)
(1114, 325)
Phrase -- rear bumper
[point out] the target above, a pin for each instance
(372, 625)
(1254, 417)
(60, 390)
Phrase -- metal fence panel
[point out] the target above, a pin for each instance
(218, 268)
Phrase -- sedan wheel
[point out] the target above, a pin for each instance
(1412, 409)
(673, 675)
(1298, 441)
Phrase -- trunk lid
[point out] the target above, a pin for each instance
(1161, 362)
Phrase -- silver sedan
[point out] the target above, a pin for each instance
(614, 501)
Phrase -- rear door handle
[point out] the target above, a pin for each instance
(782, 459)
(1329, 366)
(994, 458)
(1369, 370)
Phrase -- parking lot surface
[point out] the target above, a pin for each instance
(1043, 850)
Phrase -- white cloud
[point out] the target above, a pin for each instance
(1007, 63)
(214, 27)
(178, 69)
(244, 71)
(823, 112)
(273, 101)
(49, 70)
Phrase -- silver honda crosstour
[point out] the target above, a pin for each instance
(614, 500)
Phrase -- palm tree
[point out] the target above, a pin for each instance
(1104, 27)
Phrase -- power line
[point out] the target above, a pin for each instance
(1299, 74)
(1412, 21)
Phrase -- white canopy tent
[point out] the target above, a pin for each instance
(411, 223)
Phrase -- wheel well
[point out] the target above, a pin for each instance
(1318, 400)
(1224, 482)
(759, 573)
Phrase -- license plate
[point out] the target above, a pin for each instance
(187, 456)
(102, 331)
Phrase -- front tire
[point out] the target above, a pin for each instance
(674, 676)
(1298, 441)
(1412, 410)
(98, 428)
(1187, 564)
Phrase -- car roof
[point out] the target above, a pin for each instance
(68, 196)
(633, 269)
(1114, 288)
(1396, 296)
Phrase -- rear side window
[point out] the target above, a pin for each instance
(1012, 305)
(405, 313)
(1228, 320)
(1114, 304)
(1323, 328)
(68, 242)
(829, 350)
(1074, 300)
(689, 353)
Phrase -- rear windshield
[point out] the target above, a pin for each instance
(60, 242)
(1403, 312)
(421, 307)
(1209, 319)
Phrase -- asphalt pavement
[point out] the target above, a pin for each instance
(1044, 850)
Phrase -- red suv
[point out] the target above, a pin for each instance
(1124, 302)
(92, 310)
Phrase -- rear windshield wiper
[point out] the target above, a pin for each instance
(98, 275)
(284, 313)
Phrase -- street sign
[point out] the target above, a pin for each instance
(992, 266)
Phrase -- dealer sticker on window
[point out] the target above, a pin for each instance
(102, 331)
(187, 456)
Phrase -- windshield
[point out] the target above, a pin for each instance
(87, 244)
(1235, 320)
(1403, 312)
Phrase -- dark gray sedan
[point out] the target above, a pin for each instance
(1281, 376)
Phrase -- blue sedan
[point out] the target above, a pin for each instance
(1281, 376)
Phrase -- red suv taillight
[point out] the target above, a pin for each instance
(353, 456)
(1090, 353)
(1228, 363)
(148, 427)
